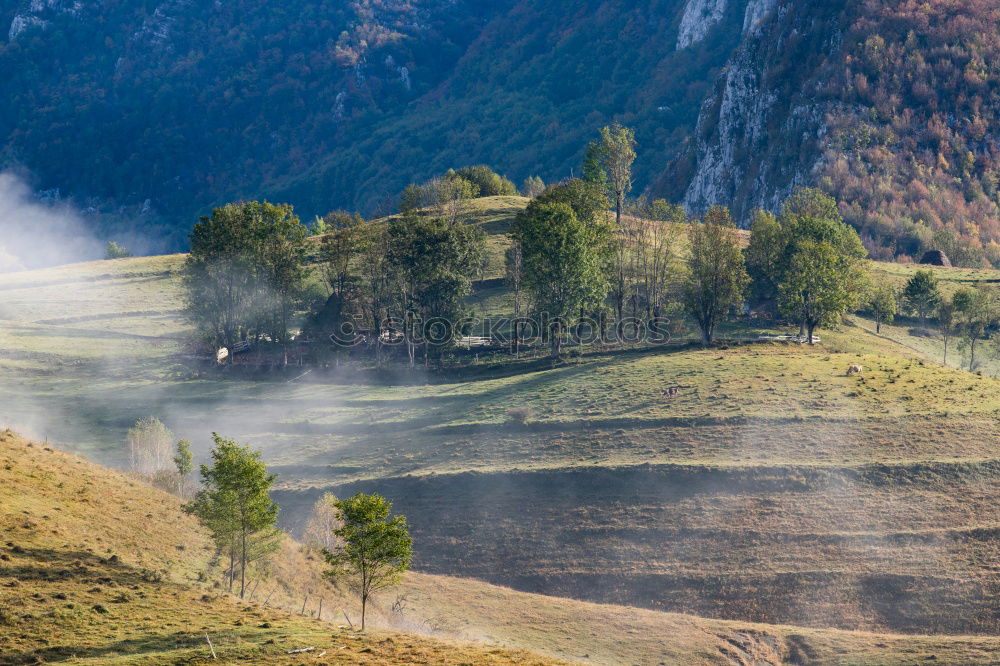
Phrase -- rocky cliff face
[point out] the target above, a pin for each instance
(761, 133)
(699, 17)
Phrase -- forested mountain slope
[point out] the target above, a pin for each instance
(146, 113)
(155, 110)
(887, 105)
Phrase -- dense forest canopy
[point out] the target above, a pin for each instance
(147, 114)
(155, 111)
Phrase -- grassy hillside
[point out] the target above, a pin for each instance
(773, 488)
(98, 568)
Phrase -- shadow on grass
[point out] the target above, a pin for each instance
(51, 565)
(146, 644)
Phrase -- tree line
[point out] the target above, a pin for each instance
(573, 269)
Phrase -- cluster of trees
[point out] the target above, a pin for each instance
(572, 259)
(455, 185)
(571, 265)
(969, 315)
(408, 277)
(359, 538)
(911, 156)
(246, 272)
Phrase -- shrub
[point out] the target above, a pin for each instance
(115, 251)
(519, 415)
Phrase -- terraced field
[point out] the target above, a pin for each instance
(773, 488)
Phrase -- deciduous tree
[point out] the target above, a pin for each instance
(883, 302)
(244, 273)
(922, 294)
(615, 153)
(717, 277)
(820, 284)
(235, 505)
(376, 549)
(323, 523)
(564, 261)
(149, 443)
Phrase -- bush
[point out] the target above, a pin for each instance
(116, 251)
(519, 415)
(487, 181)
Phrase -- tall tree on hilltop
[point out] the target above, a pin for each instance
(614, 155)
(717, 277)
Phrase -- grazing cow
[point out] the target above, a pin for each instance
(856, 370)
(671, 392)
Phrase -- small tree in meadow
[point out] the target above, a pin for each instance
(946, 323)
(376, 549)
(235, 506)
(184, 462)
(883, 305)
(921, 294)
(978, 312)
